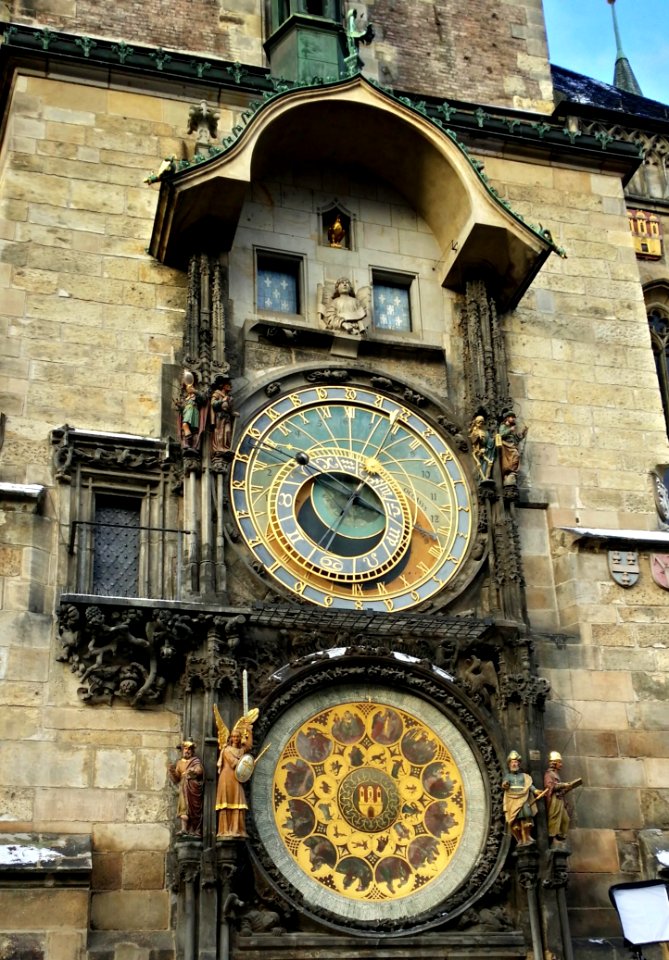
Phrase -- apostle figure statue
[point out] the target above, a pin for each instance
(235, 765)
(520, 800)
(557, 807)
(188, 775)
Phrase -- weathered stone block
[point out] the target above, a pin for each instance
(107, 871)
(648, 716)
(143, 870)
(43, 909)
(150, 807)
(600, 715)
(604, 685)
(44, 763)
(64, 946)
(10, 561)
(130, 910)
(618, 809)
(594, 851)
(114, 769)
(657, 771)
(16, 805)
(80, 806)
(126, 837)
(598, 744)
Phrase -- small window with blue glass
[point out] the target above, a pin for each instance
(392, 303)
(278, 283)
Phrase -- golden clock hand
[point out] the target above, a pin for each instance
(392, 420)
(327, 479)
(302, 459)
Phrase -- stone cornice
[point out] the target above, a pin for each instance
(117, 62)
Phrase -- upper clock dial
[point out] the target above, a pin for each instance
(350, 499)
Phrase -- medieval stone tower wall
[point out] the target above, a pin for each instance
(482, 51)
(92, 334)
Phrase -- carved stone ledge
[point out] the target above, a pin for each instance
(130, 650)
(45, 859)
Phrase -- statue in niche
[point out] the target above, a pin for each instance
(342, 310)
(188, 774)
(337, 233)
(191, 407)
(235, 766)
(483, 447)
(520, 800)
(203, 122)
(221, 412)
(556, 790)
(509, 439)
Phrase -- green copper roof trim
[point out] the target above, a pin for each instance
(178, 66)
(175, 167)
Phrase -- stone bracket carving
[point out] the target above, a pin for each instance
(132, 652)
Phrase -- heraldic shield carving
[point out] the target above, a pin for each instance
(373, 808)
(624, 567)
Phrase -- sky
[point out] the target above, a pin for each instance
(581, 38)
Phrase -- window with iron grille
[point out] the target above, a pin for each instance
(116, 545)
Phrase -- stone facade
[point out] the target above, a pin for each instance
(95, 333)
(510, 35)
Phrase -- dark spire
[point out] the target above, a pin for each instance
(623, 75)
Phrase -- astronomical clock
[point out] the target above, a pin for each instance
(353, 501)
(350, 499)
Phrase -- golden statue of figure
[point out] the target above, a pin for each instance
(336, 233)
(233, 770)
(520, 800)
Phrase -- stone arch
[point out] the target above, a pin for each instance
(346, 122)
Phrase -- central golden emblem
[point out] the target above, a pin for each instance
(368, 801)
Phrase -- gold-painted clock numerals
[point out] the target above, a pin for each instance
(351, 500)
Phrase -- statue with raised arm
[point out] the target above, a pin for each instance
(509, 439)
(191, 407)
(483, 446)
(558, 812)
(188, 775)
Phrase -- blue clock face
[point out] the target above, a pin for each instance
(351, 500)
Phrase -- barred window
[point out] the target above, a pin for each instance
(116, 546)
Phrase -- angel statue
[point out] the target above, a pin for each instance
(235, 766)
(343, 309)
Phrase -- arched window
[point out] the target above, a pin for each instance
(657, 306)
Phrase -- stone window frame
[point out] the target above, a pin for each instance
(406, 280)
(298, 262)
(92, 465)
(656, 297)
